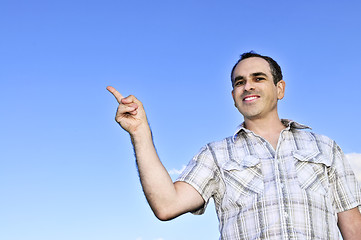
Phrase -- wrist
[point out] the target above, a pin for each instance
(142, 133)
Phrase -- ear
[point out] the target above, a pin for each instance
(281, 85)
(233, 98)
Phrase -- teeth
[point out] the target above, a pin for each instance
(249, 98)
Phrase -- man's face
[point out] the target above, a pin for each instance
(254, 93)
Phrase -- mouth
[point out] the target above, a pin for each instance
(250, 98)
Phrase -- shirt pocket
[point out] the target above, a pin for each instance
(243, 179)
(311, 168)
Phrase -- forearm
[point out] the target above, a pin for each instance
(157, 185)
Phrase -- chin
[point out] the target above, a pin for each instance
(250, 115)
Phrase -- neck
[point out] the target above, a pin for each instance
(265, 126)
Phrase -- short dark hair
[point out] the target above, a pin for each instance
(275, 68)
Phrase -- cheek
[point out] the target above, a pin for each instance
(235, 95)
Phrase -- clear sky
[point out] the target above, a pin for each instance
(67, 169)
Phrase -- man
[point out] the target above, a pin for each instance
(271, 180)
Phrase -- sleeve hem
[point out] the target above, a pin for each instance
(349, 207)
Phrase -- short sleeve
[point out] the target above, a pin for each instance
(202, 173)
(346, 190)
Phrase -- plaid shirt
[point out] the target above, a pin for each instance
(293, 192)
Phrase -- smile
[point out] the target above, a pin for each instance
(250, 98)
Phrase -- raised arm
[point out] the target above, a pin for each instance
(167, 199)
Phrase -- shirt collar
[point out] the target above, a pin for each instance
(286, 122)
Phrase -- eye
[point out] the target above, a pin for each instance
(238, 83)
(260, 79)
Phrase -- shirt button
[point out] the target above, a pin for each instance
(285, 214)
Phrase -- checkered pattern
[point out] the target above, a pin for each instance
(294, 192)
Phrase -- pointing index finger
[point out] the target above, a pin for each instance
(115, 93)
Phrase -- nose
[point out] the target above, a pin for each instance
(249, 86)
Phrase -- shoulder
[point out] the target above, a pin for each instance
(220, 144)
(309, 137)
(305, 135)
(216, 151)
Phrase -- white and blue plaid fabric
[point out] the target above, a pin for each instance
(293, 192)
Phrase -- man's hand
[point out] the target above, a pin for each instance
(130, 114)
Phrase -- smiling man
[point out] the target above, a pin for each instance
(273, 179)
(256, 94)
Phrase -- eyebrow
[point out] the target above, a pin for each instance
(256, 74)
(238, 78)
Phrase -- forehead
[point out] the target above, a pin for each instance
(251, 65)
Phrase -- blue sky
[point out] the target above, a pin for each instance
(67, 169)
